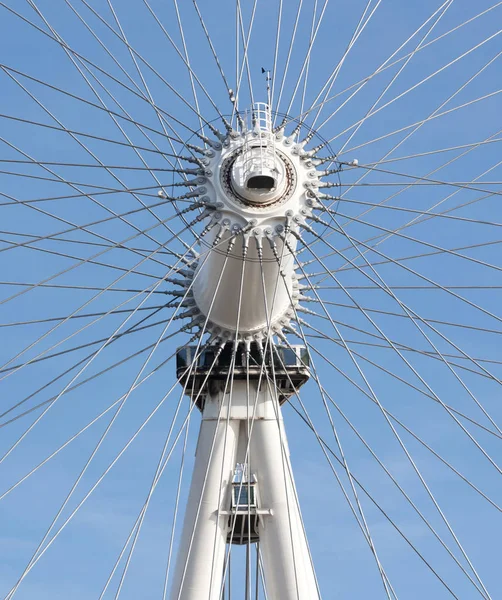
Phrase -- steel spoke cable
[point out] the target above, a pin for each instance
(44, 354)
(38, 555)
(192, 75)
(133, 329)
(89, 261)
(81, 370)
(419, 184)
(133, 52)
(89, 151)
(37, 558)
(308, 420)
(307, 69)
(67, 49)
(84, 316)
(74, 228)
(116, 336)
(425, 180)
(400, 315)
(363, 524)
(388, 153)
(94, 420)
(42, 211)
(393, 375)
(107, 191)
(78, 133)
(380, 238)
(276, 51)
(325, 336)
(444, 10)
(423, 212)
(319, 105)
(375, 287)
(409, 500)
(396, 419)
(99, 69)
(410, 186)
(426, 120)
(119, 167)
(245, 59)
(151, 100)
(88, 302)
(139, 520)
(370, 343)
(421, 275)
(404, 348)
(425, 320)
(186, 61)
(400, 354)
(67, 182)
(325, 445)
(378, 506)
(160, 468)
(291, 44)
(381, 69)
(148, 99)
(235, 111)
(92, 356)
(348, 267)
(305, 62)
(147, 96)
(415, 181)
(213, 51)
(399, 439)
(431, 152)
(361, 25)
(176, 509)
(417, 241)
(126, 117)
(78, 287)
(421, 219)
(80, 262)
(412, 88)
(413, 316)
(69, 241)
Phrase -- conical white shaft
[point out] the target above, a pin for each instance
(216, 287)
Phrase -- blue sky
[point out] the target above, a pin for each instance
(78, 563)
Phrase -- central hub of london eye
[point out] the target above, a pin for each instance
(250, 298)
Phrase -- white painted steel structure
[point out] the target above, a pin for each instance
(256, 181)
(223, 443)
(152, 212)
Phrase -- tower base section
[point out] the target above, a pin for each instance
(246, 429)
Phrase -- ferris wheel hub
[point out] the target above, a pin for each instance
(263, 187)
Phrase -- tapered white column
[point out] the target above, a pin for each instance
(224, 442)
(289, 573)
(199, 565)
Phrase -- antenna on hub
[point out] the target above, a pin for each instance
(268, 79)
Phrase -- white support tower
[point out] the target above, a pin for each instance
(242, 488)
